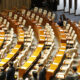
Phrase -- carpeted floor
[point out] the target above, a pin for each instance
(70, 16)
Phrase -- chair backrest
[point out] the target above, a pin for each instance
(68, 26)
(73, 55)
(12, 29)
(1, 18)
(20, 19)
(74, 38)
(33, 15)
(53, 37)
(73, 32)
(45, 12)
(49, 14)
(47, 24)
(7, 25)
(70, 31)
(49, 27)
(40, 20)
(24, 22)
(40, 10)
(15, 63)
(79, 22)
(53, 16)
(15, 16)
(5, 21)
(35, 9)
(31, 31)
(28, 14)
(71, 50)
(23, 12)
(64, 23)
(37, 18)
(10, 14)
(29, 28)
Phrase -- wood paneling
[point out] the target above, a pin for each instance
(9, 4)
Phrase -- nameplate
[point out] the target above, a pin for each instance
(50, 70)
(2, 62)
(29, 61)
(43, 35)
(33, 56)
(23, 67)
(40, 45)
(61, 50)
(16, 48)
(59, 55)
(63, 46)
(55, 63)
(11, 53)
(22, 33)
(21, 36)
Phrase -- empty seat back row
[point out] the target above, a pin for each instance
(60, 54)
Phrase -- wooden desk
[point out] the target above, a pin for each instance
(45, 19)
(59, 32)
(10, 56)
(28, 64)
(2, 36)
(51, 71)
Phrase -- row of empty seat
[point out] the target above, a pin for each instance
(41, 23)
(49, 15)
(48, 47)
(28, 39)
(28, 64)
(70, 52)
(57, 59)
(8, 39)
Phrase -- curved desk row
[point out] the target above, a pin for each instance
(41, 38)
(28, 64)
(10, 56)
(14, 52)
(57, 60)
(45, 19)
